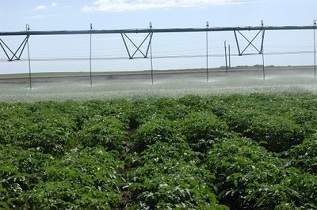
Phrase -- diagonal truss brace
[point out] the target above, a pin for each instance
(131, 55)
(250, 42)
(14, 55)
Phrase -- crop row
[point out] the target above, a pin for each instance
(167, 176)
(85, 179)
(248, 177)
(245, 152)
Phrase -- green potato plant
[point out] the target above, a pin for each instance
(252, 151)
(167, 177)
(202, 130)
(108, 132)
(249, 177)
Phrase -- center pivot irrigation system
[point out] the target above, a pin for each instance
(15, 55)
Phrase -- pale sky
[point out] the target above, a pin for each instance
(118, 14)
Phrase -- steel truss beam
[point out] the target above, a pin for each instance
(14, 55)
(162, 30)
(137, 47)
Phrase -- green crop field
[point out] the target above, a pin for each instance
(256, 151)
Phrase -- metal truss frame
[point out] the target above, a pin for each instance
(250, 42)
(260, 33)
(136, 49)
(131, 55)
(14, 55)
(158, 30)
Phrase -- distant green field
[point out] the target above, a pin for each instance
(256, 151)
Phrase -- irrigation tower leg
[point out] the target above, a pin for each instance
(263, 66)
(151, 56)
(315, 50)
(207, 53)
(226, 57)
(29, 58)
(229, 48)
(90, 54)
(262, 51)
(152, 71)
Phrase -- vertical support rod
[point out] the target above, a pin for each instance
(151, 57)
(152, 71)
(90, 55)
(29, 57)
(226, 58)
(315, 59)
(229, 48)
(263, 65)
(207, 52)
(262, 51)
(263, 33)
